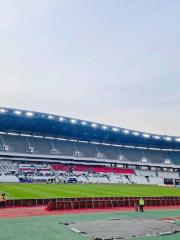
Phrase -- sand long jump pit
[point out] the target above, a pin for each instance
(124, 228)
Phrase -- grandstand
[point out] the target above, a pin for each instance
(43, 149)
(40, 147)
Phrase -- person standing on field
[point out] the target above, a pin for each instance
(5, 198)
(141, 204)
(1, 200)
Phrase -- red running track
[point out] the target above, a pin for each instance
(18, 212)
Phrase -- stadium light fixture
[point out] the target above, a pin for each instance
(115, 129)
(177, 139)
(62, 139)
(95, 142)
(125, 131)
(61, 119)
(156, 137)
(13, 134)
(146, 135)
(29, 114)
(142, 147)
(83, 123)
(135, 133)
(129, 146)
(3, 110)
(116, 145)
(104, 127)
(163, 149)
(73, 120)
(36, 136)
(94, 125)
(167, 138)
(50, 137)
(155, 149)
(51, 117)
(26, 135)
(17, 112)
(3, 133)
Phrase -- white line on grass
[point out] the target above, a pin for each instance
(4, 192)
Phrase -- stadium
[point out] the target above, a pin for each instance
(58, 167)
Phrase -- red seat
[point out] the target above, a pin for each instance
(60, 168)
(101, 169)
(123, 171)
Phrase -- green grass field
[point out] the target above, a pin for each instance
(26, 191)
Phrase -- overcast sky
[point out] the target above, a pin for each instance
(110, 61)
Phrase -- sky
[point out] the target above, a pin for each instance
(115, 62)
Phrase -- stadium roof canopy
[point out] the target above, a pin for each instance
(15, 121)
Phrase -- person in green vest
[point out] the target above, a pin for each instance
(141, 204)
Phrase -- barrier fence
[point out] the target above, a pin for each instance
(101, 202)
(27, 202)
(96, 202)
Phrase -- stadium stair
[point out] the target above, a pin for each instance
(10, 149)
(127, 177)
(35, 169)
(54, 172)
(30, 146)
(112, 170)
(147, 179)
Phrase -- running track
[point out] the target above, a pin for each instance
(19, 212)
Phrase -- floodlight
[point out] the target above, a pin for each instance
(167, 138)
(116, 145)
(156, 137)
(50, 137)
(94, 125)
(26, 135)
(146, 135)
(95, 142)
(61, 119)
(155, 149)
(125, 131)
(13, 134)
(129, 146)
(17, 112)
(135, 133)
(115, 129)
(168, 149)
(83, 123)
(50, 117)
(104, 127)
(29, 114)
(2, 110)
(142, 147)
(73, 120)
(177, 139)
(36, 136)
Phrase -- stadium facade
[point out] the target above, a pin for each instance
(28, 137)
